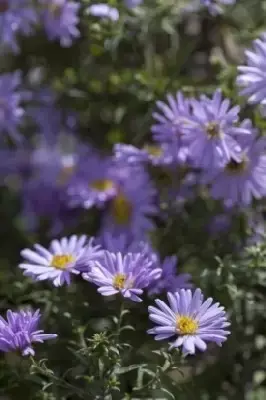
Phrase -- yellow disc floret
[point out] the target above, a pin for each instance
(119, 281)
(121, 209)
(186, 325)
(102, 185)
(61, 261)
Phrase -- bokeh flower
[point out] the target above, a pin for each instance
(215, 6)
(251, 77)
(190, 320)
(16, 17)
(60, 19)
(127, 275)
(20, 330)
(57, 263)
(11, 112)
(104, 11)
(155, 154)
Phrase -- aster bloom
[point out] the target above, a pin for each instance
(215, 6)
(127, 275)
(170, 117)
(155, 154)
(191, 321)
(11, 112)
(211, 134)
(237, 183)
(16, 17)
(93, 183)
(93, 252)
(60, 20)
(251, 77)
(57, 263)
(103, 11)
(130, 211)
(20, 330)
(133, 3)
(169, 281)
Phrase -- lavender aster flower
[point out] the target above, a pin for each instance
(20, 330)
(211, 132)
(93, 183)
(170, 118)
(60, 19)
(155, 154)
(16, 17)
(251, 76)
(190, 320)
(57, 263)
(127, 275)
(130, 210)
(239, 182)
(11, 112)
(103, 11)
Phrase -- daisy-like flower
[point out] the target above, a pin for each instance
(130, 211)
(104, 11)
(93, 183)
(16, 17)
(237, 183)
(11, 112)
(57, 263)
(170, 118)
(169, 280)
(60, 20)
(191, 321)
(212, 132)
(127, 275)
(251, 77)
(155, 154)
(20, 330)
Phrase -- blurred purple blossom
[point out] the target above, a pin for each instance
(102, 10)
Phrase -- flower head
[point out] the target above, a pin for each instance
(133, 3)
(11, 112)
(104, 11)
(251, 77)
(211, 134)
(190, 320)
(20, 330)
(56, 263)
(127, 275)
(214, 6)
(16, 17)
(60, 19)
(93, 184)
(238, 182)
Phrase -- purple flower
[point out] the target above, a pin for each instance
(214, 6)
(130, 211)
(93, 252)
(103, 11)
(237, 183)
(169, 281)
(251, 76)
(57, 263)
(155, 154)
(60, 19)
(93, 183)
(11, 112)
(133, 3)
(127, 275)
(20, 330)
(16, 17)
(211, 133)
(190, 320)
(170, 118)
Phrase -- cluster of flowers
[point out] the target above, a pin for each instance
(188, 318)
(59, 18)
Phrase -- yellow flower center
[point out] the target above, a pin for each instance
(235, 167)
(60, 261)
(153, 150)
(119, 281)
(102, 185)
(212, 130)
(3, 6)
(186, 325)
(121, 209)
